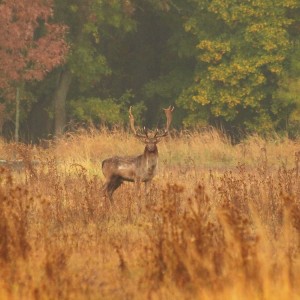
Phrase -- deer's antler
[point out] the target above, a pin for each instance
(168, 113)
(131, 119)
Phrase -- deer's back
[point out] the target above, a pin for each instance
(130, 168)
(124, 167)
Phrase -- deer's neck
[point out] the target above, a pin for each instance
(150, 158)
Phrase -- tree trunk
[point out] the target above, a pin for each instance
(17, 124)
(60, 96)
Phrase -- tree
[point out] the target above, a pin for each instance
(242, 48)
(224, 62)
(30, 45)
(287, 105)
(90, 22)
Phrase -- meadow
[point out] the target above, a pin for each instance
(222, 221)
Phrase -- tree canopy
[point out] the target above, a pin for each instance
(233, 64)
(30, 46)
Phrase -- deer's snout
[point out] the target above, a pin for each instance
(151, 147)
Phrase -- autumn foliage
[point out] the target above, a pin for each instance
(30, 44)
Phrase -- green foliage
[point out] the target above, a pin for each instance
(287, 103)
(108, 112)
(234, 64)
(89, 23)
(96, 111)
(167, 86)
(87, 65)
(242, 51)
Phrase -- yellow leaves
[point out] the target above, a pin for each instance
(218, 74)
(213, 46)
(216, 110)
(187, 27)
(243, 67)
(291, 3)
(211, 58)
(232, 73)
(256, 27)
(244, 49)
(295, 115)
(248, 101)
(276, 69)
(230, 99)
(260, 79)
(272, 62)
(269, 46)
(219, 7)
(243, 10)
(238, 68)
(231, 12)
(201, 97)
(214, 50)
(268, 36)
(96, 37)
(190, 24)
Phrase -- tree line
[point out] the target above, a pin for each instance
(230, 64)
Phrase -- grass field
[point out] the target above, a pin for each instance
(222, 221)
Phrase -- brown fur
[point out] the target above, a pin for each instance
(136, 169)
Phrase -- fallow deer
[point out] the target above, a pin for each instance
(136, 169)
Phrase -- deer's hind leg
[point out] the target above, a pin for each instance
(111, 185)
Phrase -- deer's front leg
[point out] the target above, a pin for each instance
(147, 187)
(138, 186)
(147, 192)
(138, 193)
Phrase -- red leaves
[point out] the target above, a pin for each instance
(23, 55)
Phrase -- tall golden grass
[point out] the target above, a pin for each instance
(221, 221)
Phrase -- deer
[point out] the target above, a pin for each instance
(137, 169)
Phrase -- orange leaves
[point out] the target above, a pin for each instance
(30, 46)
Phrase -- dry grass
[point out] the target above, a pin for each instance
(221, 222)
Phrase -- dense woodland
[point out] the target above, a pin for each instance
(221, 218)
(230, 64)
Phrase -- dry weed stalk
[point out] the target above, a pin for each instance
(210, 233)
(214, 245)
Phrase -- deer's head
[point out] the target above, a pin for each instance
(151, 141)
